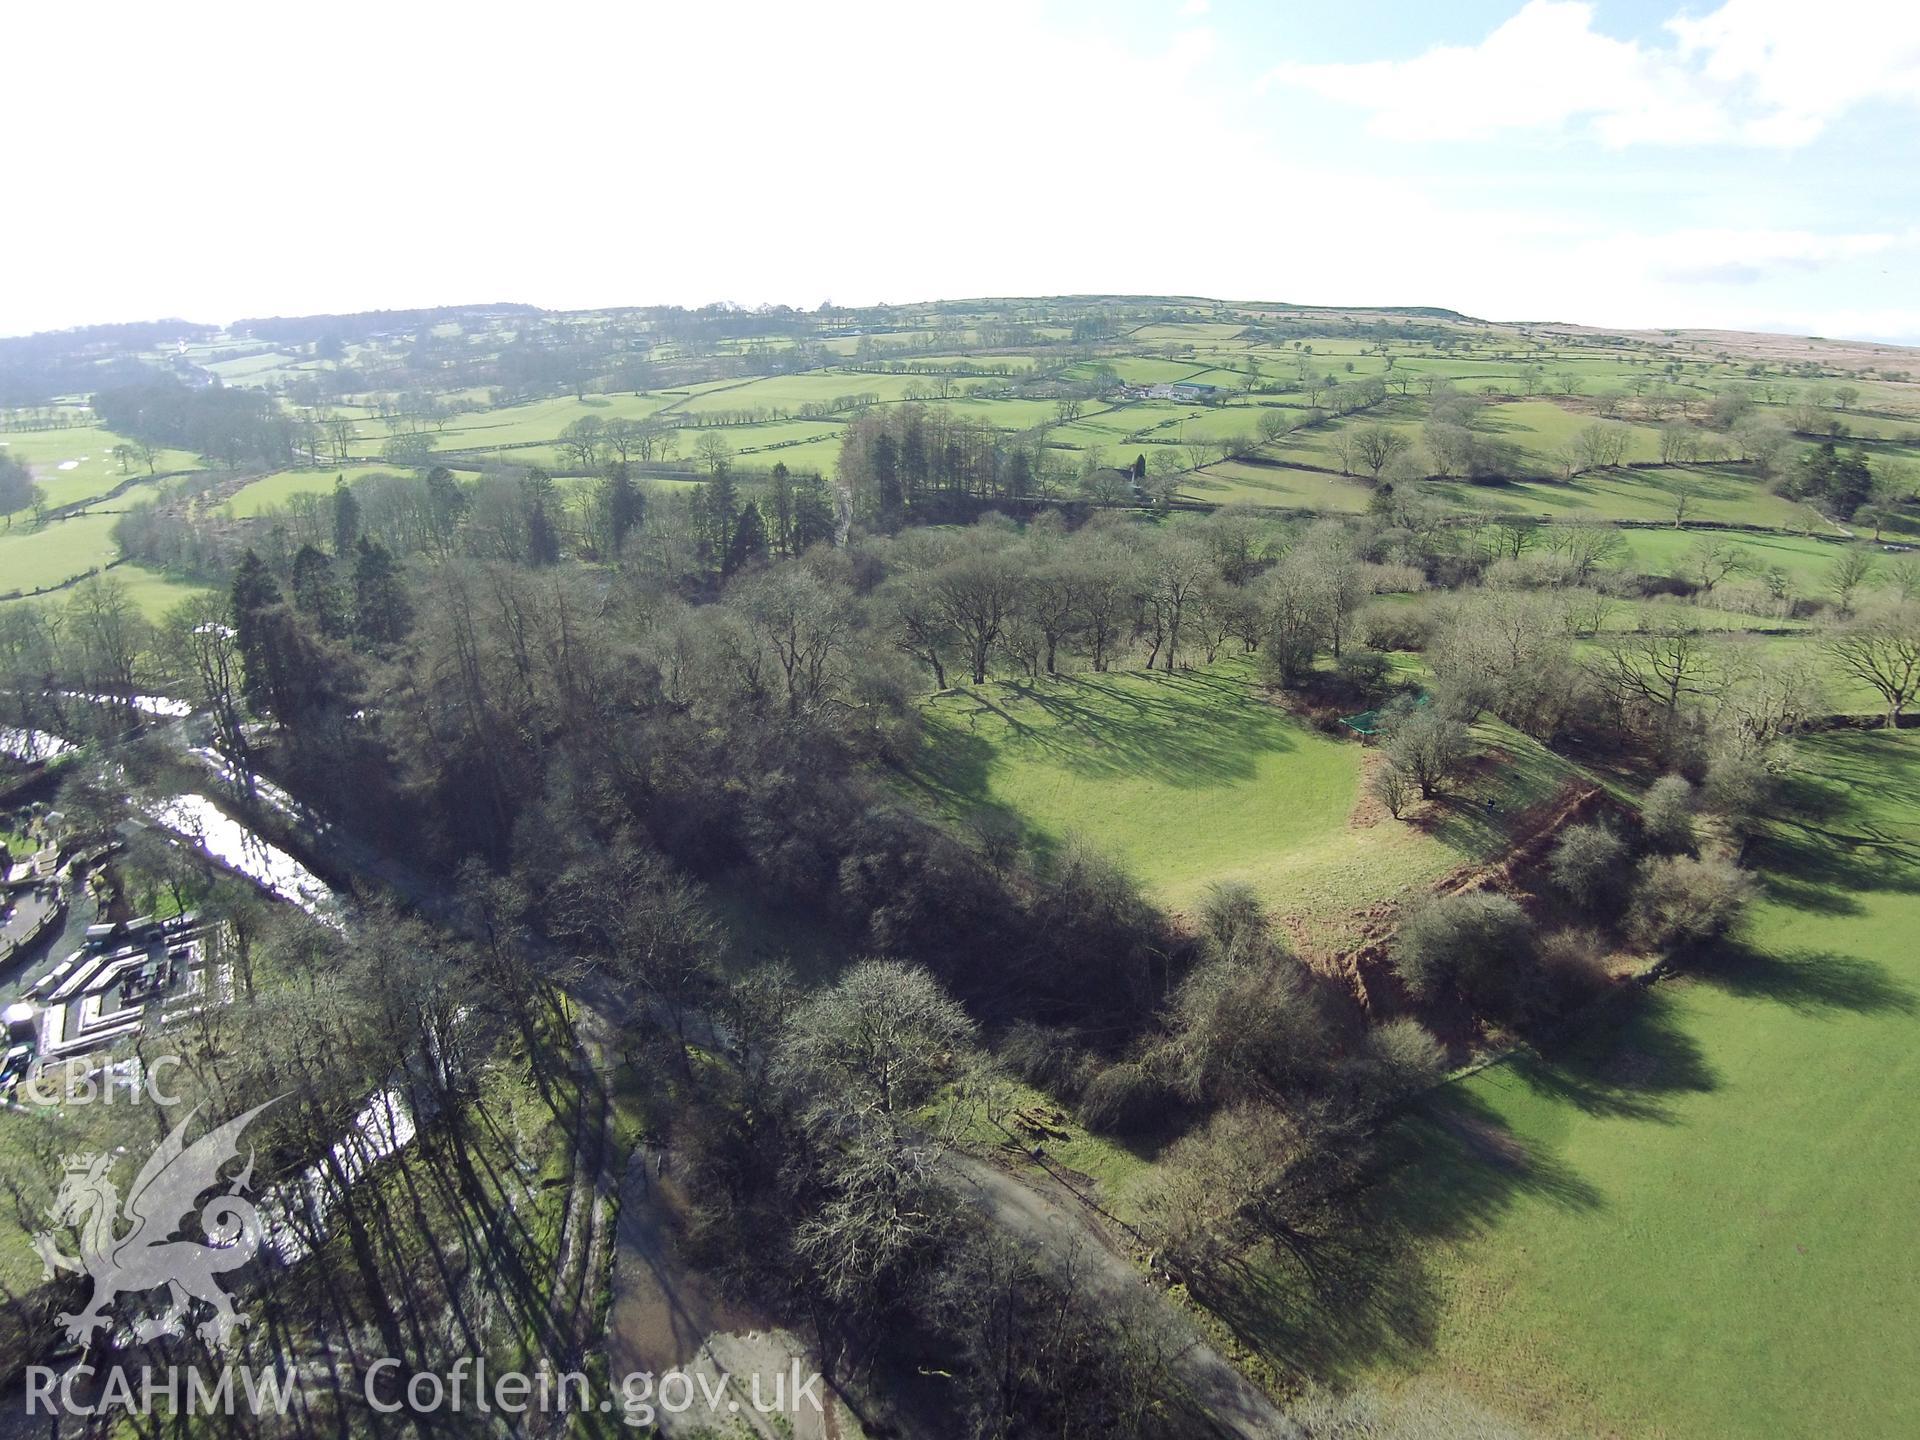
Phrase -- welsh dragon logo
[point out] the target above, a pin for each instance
(148, 1256)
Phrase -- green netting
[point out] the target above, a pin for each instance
(1367, 722)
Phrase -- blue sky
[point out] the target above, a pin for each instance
(1746, 164)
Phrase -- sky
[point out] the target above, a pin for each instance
(1751, 164)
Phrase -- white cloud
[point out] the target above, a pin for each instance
(1796, 66)
(1758, 72)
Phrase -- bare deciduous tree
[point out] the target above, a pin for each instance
(1883, 651)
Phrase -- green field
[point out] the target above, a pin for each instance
(1195, 777)
(797, 444)
(154, 592)
(1699, 1223)
(1843, 693)
(252, 367)
(1630, 495)
(1234, 482)
(86, 453)
(536, 422)
(789, 392)
(1012, 414)
(263, 495)
(1805, 558)
(1536, 427)
(1143, 370)
(1190, 331)
(31, 559)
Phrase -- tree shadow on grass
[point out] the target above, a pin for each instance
(1450, 1171)
(953, 765)
(1495, 496)
(1626, 1058)
(1189, 730)
(1816, 865)
(1370, 1299)
(1808, 982)
(1825, 845)
(1798, 893)
(954, 770)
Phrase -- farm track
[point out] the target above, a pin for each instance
(1062, 1235)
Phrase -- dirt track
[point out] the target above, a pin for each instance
(1063, 1235)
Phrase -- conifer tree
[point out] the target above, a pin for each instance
(316, 593)
(781, 500)
(813, 519)
(382, 614)
(256, 606)
(749, 545)
(346, 517)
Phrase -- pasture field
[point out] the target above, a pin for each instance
(1229, 373)
(1318, 445)
(251, 367)
(1195, 777)
(789, 392)
(273, 490)
(1008, 414)
(1188, 331)
(1185, 777)
(1844, 694)
(31, 559)
(153, 592)
(1018, 364)
(1103, 430)
(1158, 419)
(1145, 370)
(1898, 433)
(1736, 646)
(88, 450)
(1537, 427)
(1234, 482)
(765, 442)
(849, 344)
(1805, 558)
(536, 422)
(1219, 422)
(1541, 427)
(1670, 613)
(1140, 423)
(1641, 495)
(808, 456)
(1697, 1222)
